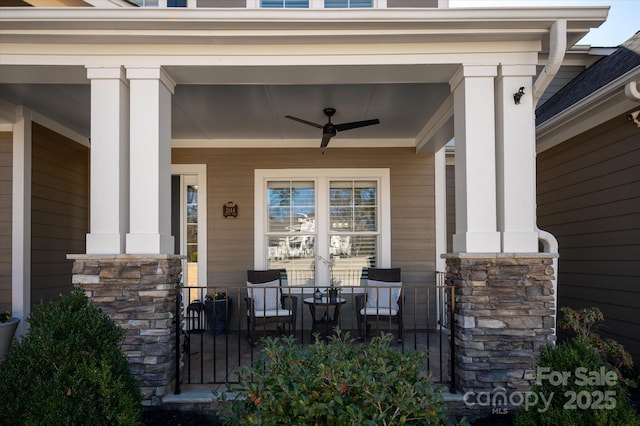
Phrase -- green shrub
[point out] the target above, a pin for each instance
(591, 393)
(584, 324)
(335, 384)
(69, 370)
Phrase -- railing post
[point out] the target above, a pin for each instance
(178, 326)
(452, 324)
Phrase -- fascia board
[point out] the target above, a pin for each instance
(579, 18)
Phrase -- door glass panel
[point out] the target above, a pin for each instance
(192, 233)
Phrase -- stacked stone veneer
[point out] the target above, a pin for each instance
(139, 293)
(504, 307)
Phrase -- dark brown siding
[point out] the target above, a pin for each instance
(451, 206)
(59, 211)
(230, 177)
(6, 168)
(589, 198)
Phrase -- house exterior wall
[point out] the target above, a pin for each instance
(59, 211)
(6, 170)
(230, 177)
(589, 198)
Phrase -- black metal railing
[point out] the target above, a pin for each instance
(218, 335)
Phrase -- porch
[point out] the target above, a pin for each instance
(210, 356)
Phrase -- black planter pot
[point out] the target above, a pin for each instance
(218, 312)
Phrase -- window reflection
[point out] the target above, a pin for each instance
(352, 230)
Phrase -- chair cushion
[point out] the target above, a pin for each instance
(383, 295)
(266, 296)
(379, 311)
(272, 313)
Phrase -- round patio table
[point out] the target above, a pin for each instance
(325, 323)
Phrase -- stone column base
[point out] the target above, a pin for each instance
(504, 314)
(139, 293)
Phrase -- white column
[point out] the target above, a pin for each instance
(515, 160)
(150, 156)
(473, 97)
(109, 220)
(440, 164)
(21, 222)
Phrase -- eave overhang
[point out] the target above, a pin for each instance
(600, 106)
(197, 25)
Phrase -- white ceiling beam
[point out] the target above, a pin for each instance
(438, 130)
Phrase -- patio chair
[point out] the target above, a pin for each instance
(266, 303)
(381, 302)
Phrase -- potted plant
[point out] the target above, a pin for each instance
(8, 325)
(217, 306)
(332, 291)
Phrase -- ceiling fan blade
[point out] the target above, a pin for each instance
(326, 137)
(356, 124)
(319, 126)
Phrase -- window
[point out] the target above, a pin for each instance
(328, 4)
(284, 3)
(291, 229)
(353, 229)
(322, 225)
(347, 3)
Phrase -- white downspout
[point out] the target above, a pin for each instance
(631, 91)
(550, 245)
(557, 50)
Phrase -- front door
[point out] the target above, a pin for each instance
(190, 223)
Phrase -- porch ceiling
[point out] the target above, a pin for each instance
(232, 113)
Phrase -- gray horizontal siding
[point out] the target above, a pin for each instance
(59, 211)
(589, 198)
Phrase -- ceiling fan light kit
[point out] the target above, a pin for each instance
(329, 130)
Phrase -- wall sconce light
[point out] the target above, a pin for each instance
(518, 95)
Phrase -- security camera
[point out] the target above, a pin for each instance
(635, 117)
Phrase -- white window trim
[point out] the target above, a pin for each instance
(321, 177)
(199, 170)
